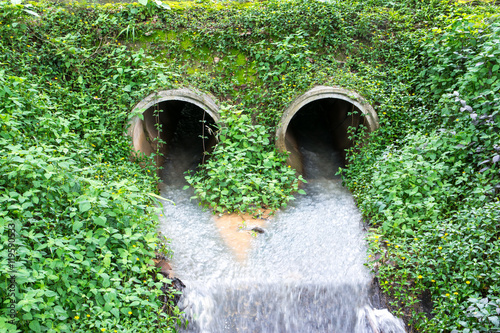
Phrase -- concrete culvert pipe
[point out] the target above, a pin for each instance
(326, 113)
(174, 120)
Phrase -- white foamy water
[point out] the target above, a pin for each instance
(306, 273)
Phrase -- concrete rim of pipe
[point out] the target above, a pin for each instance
(136, 126)
(324, 92)
(287, 143)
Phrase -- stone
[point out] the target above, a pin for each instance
(258, 229)
(165, 267)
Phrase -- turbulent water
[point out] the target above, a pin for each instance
(304, 274)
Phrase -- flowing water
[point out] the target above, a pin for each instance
(305, 273)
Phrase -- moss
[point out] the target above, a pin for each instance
(241, 59)
(180, 5)
(171, 35)
(186, 43)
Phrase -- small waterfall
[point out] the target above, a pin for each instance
(305, 273)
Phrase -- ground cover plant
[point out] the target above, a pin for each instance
(84, 224)
(74, 207)
(432, 196)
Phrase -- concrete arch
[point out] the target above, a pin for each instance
(334, 98)
(144, 132)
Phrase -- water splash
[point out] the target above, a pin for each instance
(304, 274)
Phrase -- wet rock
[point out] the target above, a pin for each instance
(172, 293)
(377, 299)
(172, 290)
(164, 266)
(427, 303)
(258, 230)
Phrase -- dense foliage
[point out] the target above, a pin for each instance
(432, 196)
(84, 225)
(244, 170)
(74, 207)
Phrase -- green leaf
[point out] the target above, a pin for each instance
(60, 312)
(106, 261)
(105, 280)
(161, 198)
(77, 226)
(143, 2)
(494, 320)
(30, 11)
(162, 5)
(115, 312)
(125, 311)
(100, 220)
(35, 326)
(84, 206)
(50, 293)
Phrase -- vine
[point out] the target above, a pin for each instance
(86, 232)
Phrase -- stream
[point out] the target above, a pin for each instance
(305, 273)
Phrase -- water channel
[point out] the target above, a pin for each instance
(305, 273)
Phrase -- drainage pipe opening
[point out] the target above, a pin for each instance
(175, 125)
(322, 120)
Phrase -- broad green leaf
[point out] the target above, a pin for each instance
(105, 280)
(100, 220)
(35, 326)
(115, 312)
(84, 206)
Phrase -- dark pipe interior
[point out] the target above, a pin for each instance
(183, 132)
(322, 127)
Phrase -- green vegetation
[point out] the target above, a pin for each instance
(432, 196)
(427, 181)
(244, 169)
(84, 227)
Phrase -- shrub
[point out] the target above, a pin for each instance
(244, 172)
